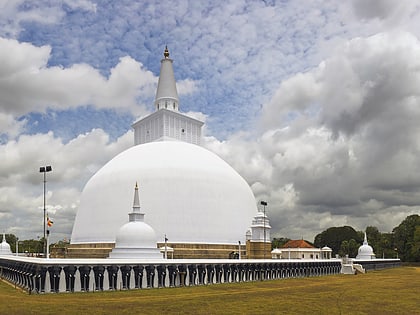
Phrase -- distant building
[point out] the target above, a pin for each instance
(301, 249)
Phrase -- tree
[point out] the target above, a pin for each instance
(344, 248)
(11, 239)
(279, 242)
(373, 235)
(415, 246)
(386, 246)
(31, 247)
(349, 248)
(406, 238)
(334, 236)
(375, 240)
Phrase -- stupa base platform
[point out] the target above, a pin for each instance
(180, 250)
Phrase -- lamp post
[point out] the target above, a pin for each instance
(264, 204)
(45, 170)
(166, 247)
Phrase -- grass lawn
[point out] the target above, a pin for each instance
(391, 291)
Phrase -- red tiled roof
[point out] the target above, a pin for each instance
(297, 244)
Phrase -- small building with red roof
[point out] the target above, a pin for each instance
(301, 249)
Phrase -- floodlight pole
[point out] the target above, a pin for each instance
(166, 247)
(44, 170)
(264, 204)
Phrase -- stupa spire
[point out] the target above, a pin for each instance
(136, 215)
(365, 242)
(136, 201)
(167, 122)
(166, 52)
(166, 94)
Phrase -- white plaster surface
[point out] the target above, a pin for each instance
(187, 192)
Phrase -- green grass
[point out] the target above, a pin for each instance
(391, 291)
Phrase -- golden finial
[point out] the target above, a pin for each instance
(166, 53)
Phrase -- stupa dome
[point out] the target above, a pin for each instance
(190, 194)
(365, 251)
(136, 234)
(135, 239)
(5, 247)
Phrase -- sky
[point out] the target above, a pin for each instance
(315, 103)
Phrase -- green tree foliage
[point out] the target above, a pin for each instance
(386, 248)
(415, 249)
(407, 238)
(11, 239)
(373, 235)
(25, 246)
(333, 237)
(349, 248)
(31, 247)
(279, 242)
(403, 242)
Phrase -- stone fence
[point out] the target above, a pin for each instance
(69, 275)
(378, 264)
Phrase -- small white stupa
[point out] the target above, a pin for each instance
(136, 239)
(365, 251)
(5, 247)
(260, 229)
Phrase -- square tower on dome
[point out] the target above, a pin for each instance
(167, 123)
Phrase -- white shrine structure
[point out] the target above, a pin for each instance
(5, 247)
(191, 195)
(136, 239)
(258, 240)
(365, 251)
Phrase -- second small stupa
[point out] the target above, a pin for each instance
(136, 239)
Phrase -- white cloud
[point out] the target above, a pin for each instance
(15, 12)
(187, 86)
(382, 9)
(347, 147)
(73, 163)
(27, 84)
(11, 127)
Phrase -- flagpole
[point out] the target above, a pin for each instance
(45, 169)
(48, 243)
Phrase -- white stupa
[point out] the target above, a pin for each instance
(191, 194)
(136, 239)
(260, 229)
(365, 251)
(5, 247)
